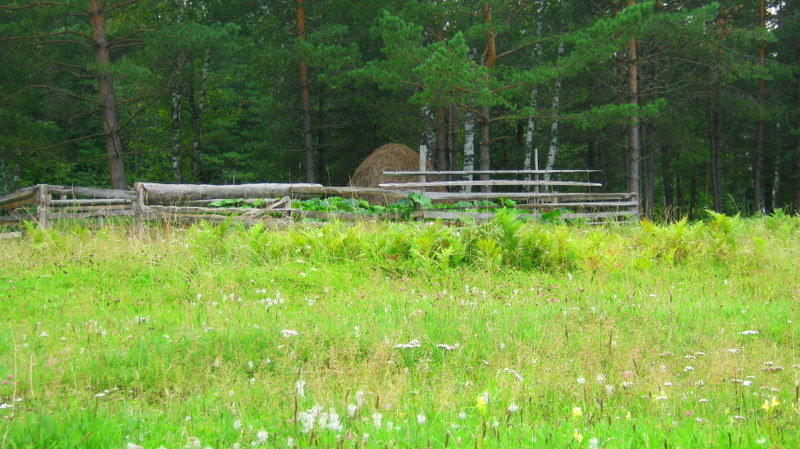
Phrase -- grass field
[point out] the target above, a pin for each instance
(403, 335)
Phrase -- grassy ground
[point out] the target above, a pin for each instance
(403, 335)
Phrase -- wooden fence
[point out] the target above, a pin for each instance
(530, 194)
(272, 203)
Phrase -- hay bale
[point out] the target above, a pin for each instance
(389, 157)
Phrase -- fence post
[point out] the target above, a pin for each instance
(138, 203)
(43, 206)
(423, 162)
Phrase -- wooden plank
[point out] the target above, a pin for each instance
(43, 205)
(93, 214)
(93, 193)
(482, 172)
(471, 196)
(581, 204)
(176, 193)
(347, 216)
(75, 209)
(19, 195)
(10, 235)
(457, 215)
(495, 182)
(596, 215)
(216, 218)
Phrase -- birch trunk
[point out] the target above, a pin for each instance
(485, 161)
(176, 134)
(469, 148)
(305, 97)
(531, 150)
(197, 117)
(551, 154)
(108, 103)
(428, 129)
(441, 139)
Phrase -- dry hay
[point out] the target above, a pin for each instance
(390, 157)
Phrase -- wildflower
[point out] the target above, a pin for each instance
(300, 386)
(290, 442)
(688, 368)
(462, 415)
(237, 424)
(702, 401)
(581, 380)
(601, 378)
(351, 410)
(512, 408)
(749, 332)
(410, 345)
(594, 443)
(447, 347)
(577, 412)
(359, 398)
(193, 443)
(577, 436)
(480, 403)
(768, 405)
(628, 415)
(133, 446)
(262, 436)
(609, 389)
(422, 419)
(377, 418)
(288, 333)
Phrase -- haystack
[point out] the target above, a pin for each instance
(390, 157)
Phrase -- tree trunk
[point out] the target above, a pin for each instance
(452, 137)
(693, 194)
(758, 181)
(469, 148)
(648, 180)
(108, 103)
(531, 149)
(715, 131)
(177, 168)
(796, 199)
(441, 139)
(3, 173)
(321, 140)
(428, 125)
(485, 161)
(305, 97)
(633, 128)
(667, 179)
(197, 116)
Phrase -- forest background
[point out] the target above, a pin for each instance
(692, 104)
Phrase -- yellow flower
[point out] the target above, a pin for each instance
(480, 404)
(577, 436)
(628, 415)
(769, 405)
(577, 412)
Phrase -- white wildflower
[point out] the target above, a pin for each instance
(300, 386)
(512, 408)
(749, 332)
(288, 333)
(351, 410)
(410, 345)
(422, 419)
(377, 420)
(262, 436)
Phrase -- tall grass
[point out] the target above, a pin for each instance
(503, 334)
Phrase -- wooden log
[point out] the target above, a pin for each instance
(482, 172)
(183, 210)
(457, 215)
(93, 193)
(43, 205)
(347, 192)
(23, 202)
(175, 193)
(17, 218)
(347, 216)
(19, 195)
(495, 182)
(10, 235)
(581, 204)
(78, 209)
(91, 202)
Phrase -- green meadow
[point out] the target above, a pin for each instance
(403, 335)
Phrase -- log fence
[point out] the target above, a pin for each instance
(272, 203)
